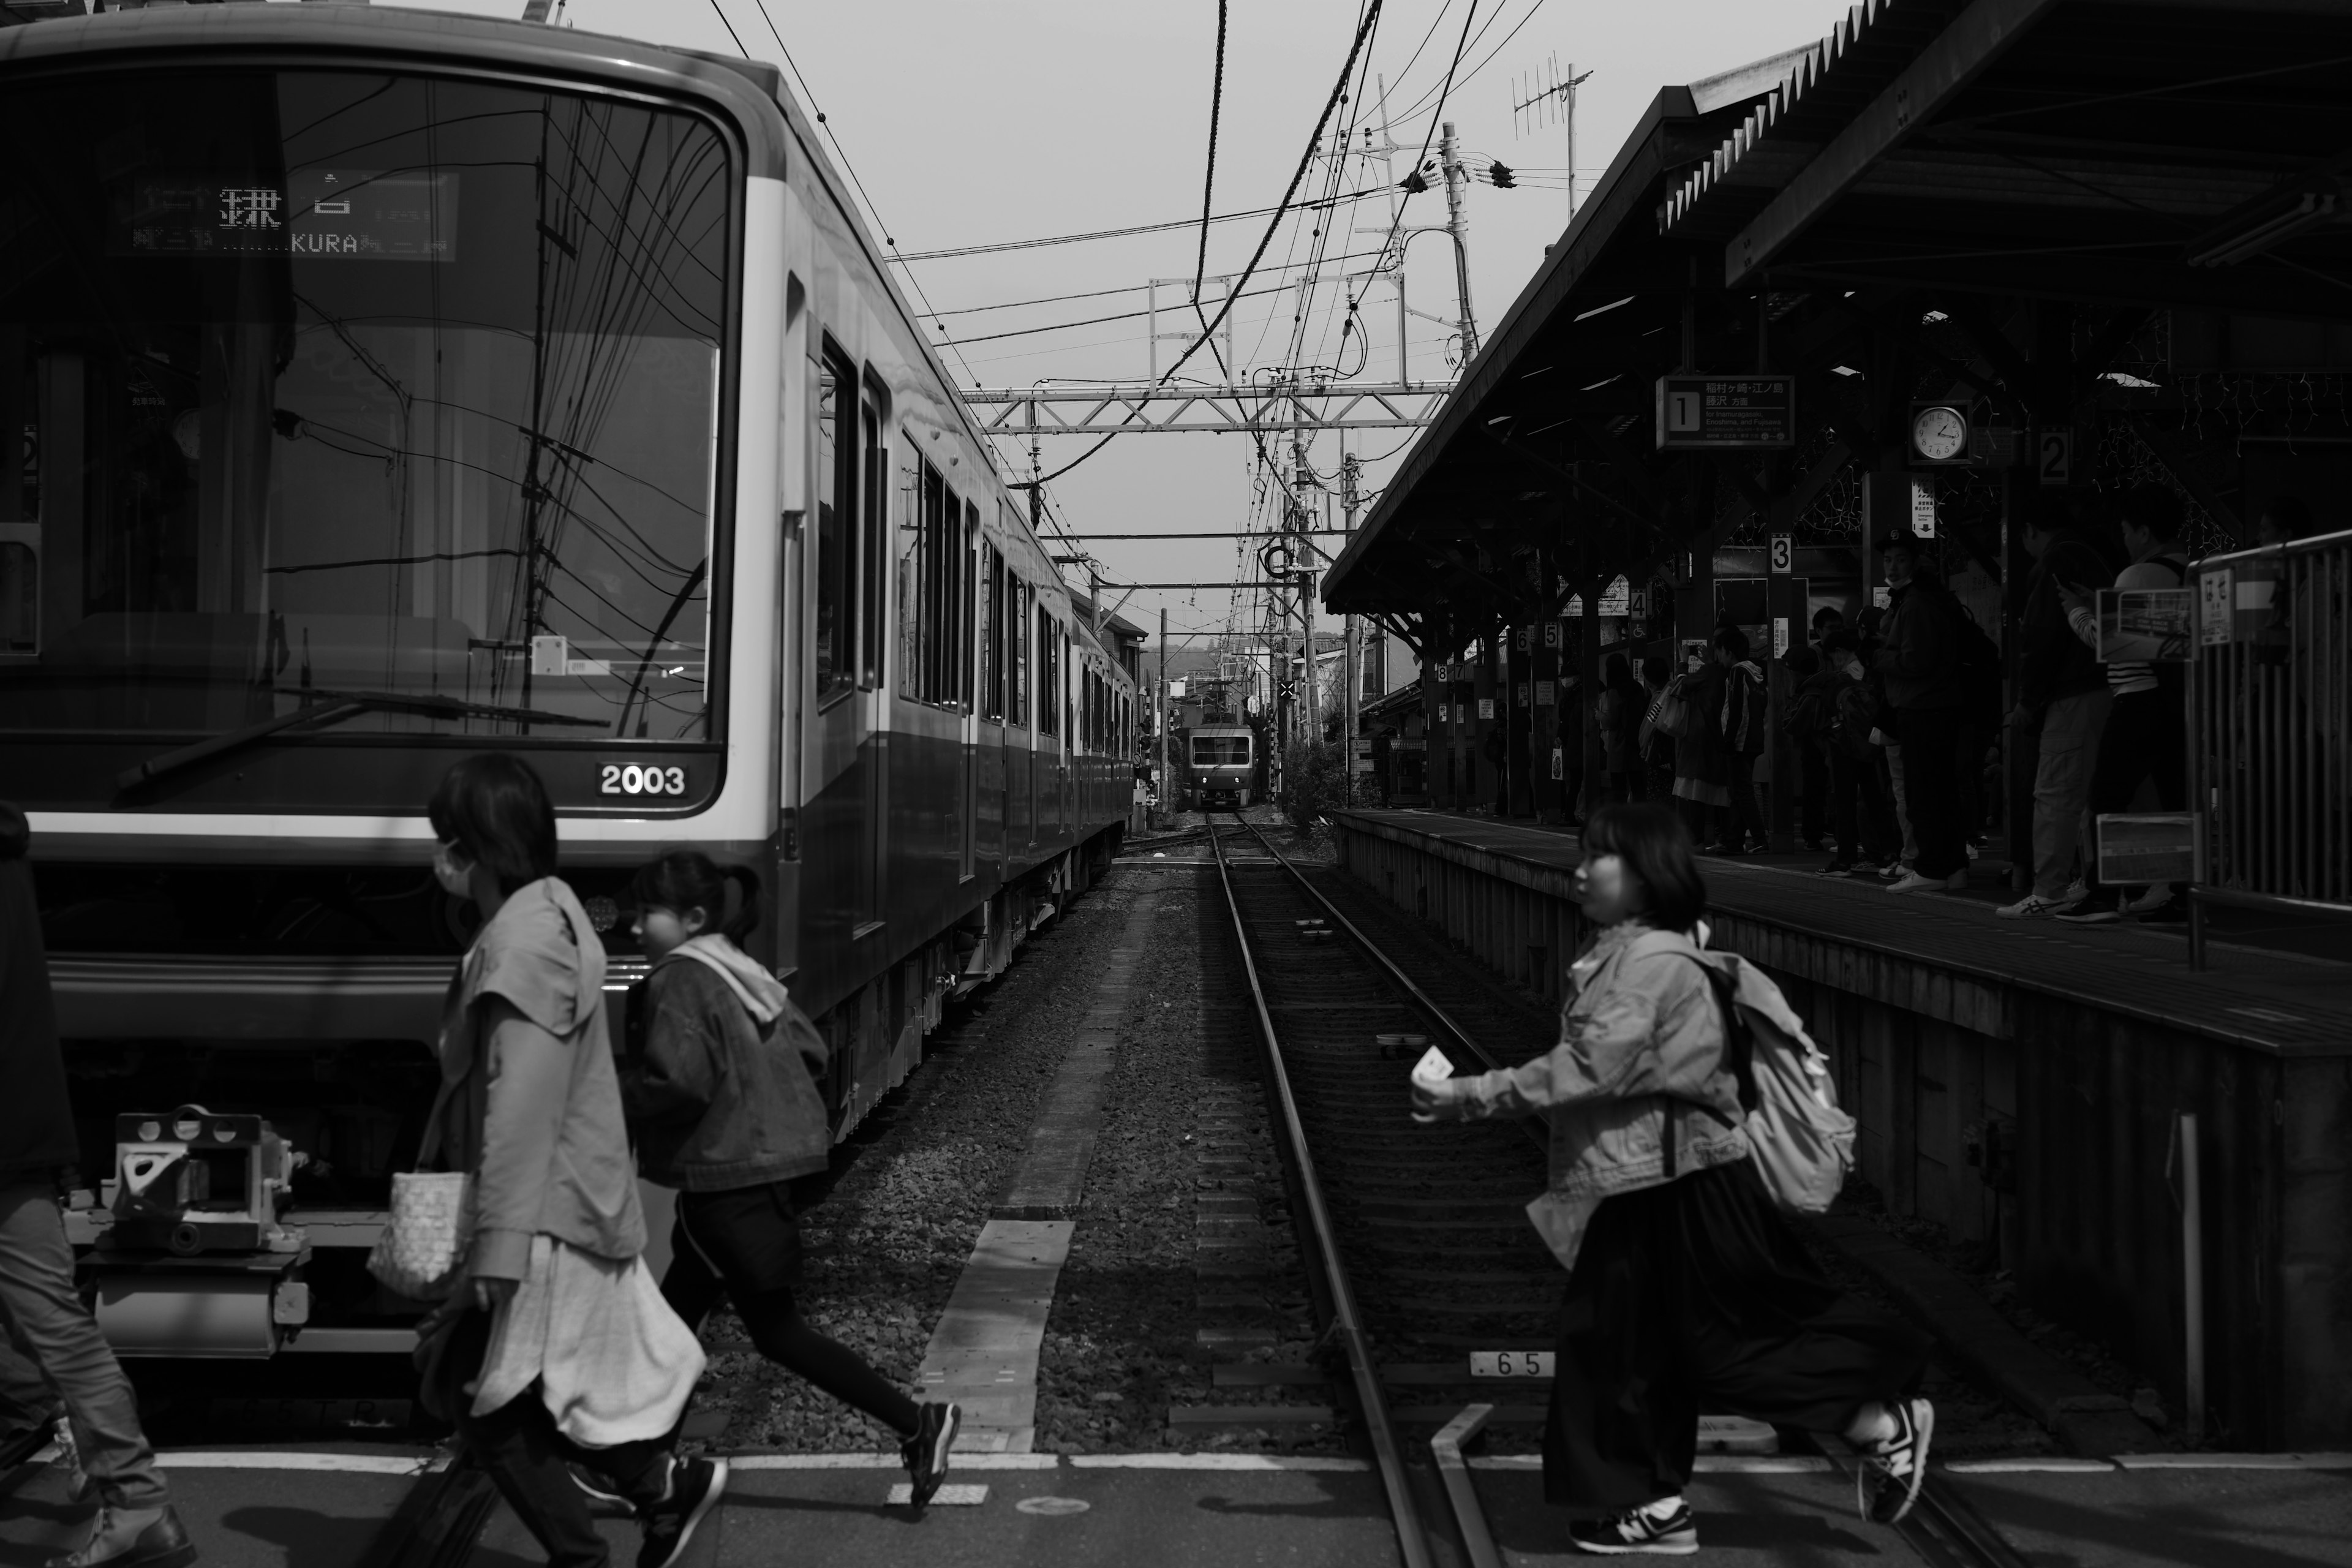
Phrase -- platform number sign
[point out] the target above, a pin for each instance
(2054, 457)
(1511, 1364)
(1784, 553)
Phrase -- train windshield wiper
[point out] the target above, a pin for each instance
(336, 707)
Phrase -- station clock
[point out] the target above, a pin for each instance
(1939, 435)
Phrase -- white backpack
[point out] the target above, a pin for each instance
(1802, 1143)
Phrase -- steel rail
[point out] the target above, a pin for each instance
(1403, 982)
(1346, 1325)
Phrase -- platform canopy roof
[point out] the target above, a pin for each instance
(2066, 168)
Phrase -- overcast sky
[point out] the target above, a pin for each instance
(971, 123)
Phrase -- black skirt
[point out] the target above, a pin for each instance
(1697, 1296)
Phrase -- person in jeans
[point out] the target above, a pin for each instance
(558, 1346)
(1687, 1290)
(1740, 725)
(721, 1083)
(1919, 663)
(1859, 808)
(56, 1361)
(1811, 761)
(2062, 692)
(2147, 733)
(1622, 705)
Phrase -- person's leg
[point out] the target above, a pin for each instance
(51, 1326)
(1622, 1425)
(520, 1449)
(1845, 803)
(1762, 1332)
(751, 1238)
(2062, 786)
(28, 1402)
(2128, 748)
(1930, 761)
(1813, 808)
(690, 1286)
(1892, 754)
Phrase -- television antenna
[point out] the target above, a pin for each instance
(1547, 96)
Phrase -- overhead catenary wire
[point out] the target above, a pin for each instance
(1338, 89)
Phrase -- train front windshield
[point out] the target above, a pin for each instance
(320, 384)
(1221, 750)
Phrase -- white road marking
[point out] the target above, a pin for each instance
(955, 1494)
(1227, 1462)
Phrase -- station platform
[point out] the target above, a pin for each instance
(315, 1511)
(2033, 1088)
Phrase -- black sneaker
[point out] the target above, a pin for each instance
(1866, 866)
(2166, 914)
(2091, 913)
(1837, 869)
(1887, 1481)
(695, 1486)
(1638, 1530)
(927, 1453)
(602, 1495)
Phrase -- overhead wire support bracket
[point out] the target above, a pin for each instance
(1182, 409)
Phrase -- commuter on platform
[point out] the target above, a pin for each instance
(2146, 734)
(1920, 665)
(1657, 752)
(55, 1361)
(1687, 1290)
(1826, 619)
(721, 1082)
(1740, 725)
(1860, 809)
(1623, 703)
(1702, 790)
(1886, 758)
(1805, 725)
(2062, 692)
(558, 1345)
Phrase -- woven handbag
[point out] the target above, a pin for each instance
(422, 1251)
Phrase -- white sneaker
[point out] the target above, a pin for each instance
(1913, 882)
(2028, 906)
(2153, 897)
(2077, 891)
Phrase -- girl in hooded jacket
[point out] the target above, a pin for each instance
(720, 1084)
(1686, 1290)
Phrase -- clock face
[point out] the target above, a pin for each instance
(1938, 433)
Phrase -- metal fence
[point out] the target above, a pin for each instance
(2270, 709)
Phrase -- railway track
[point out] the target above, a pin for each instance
(1417, 1233)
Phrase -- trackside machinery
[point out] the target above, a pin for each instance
(378, 387)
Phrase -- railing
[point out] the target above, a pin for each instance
(2270, 713)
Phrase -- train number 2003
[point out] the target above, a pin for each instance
(631, 779)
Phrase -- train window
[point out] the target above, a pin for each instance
(988, 596)
(873, 610)
(1016, 644)
(836, 515)
(330, 390)
(1049, 675)
(967, 592)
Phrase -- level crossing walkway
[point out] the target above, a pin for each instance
(325, 1507)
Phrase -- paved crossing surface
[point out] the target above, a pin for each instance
(1035, 1508)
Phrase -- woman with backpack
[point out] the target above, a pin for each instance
(721, 1083)
(1686, 1289)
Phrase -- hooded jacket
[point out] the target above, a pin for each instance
(722, 1093)
(2052, 661)
(36, 1125)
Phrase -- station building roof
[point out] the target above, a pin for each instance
(2122, 156)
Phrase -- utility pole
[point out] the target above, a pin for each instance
(1388, 177)
(1449, 157)
(1351, 496)
(1159, 718)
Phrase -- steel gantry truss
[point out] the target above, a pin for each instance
(1304, 406)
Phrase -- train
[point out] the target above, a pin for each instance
(378, 387)
(1221, 763)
